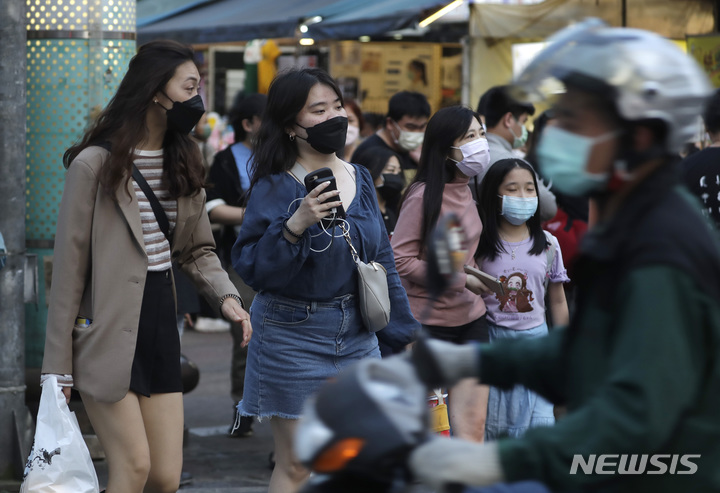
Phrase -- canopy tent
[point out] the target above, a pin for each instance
(149, 11)
(216, 21)
(232, 20)
(669, 18)
(350, 19)
(495, 28)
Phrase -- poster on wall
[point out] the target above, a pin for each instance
(373, 72)
(346, 64)
(402, 67)
(706, 50)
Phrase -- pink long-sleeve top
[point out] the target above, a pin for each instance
(457, 305)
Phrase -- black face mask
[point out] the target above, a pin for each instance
(392, 187)
(329, 136)
(183, 116)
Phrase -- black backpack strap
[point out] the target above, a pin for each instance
(159, 212)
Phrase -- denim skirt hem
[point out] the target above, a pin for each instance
(296, 346)
(260, 418)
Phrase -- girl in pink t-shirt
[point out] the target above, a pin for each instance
(527, 261)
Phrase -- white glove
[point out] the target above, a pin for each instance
(442, 364)
(443, 461)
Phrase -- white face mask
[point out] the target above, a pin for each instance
(353, 132)
(409, 141)
(476, 157)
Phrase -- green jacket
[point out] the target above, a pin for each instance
(638, 365)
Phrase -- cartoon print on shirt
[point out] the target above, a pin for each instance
(517, 298)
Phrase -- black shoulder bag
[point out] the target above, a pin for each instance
(159, 212)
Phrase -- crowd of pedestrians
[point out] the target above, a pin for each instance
(285, 272)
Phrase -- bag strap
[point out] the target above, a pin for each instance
(157, 208)
(299, 173)
(550, 253)
(346, 235)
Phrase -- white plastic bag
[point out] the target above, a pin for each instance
(59, 461)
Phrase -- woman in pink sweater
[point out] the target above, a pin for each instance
(454, 150)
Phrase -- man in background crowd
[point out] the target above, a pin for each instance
(505, 120)
(701, 170)
(403, 130)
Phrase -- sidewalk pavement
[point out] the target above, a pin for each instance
(217, 463)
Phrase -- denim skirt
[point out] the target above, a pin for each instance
(296, 346)
(511, 412)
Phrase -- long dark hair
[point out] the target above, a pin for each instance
(434, 168)
(288, 93)
(122, 123)
(490, 245)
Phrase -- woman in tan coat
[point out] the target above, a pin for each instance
(133, 203)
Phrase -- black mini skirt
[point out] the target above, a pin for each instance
(156, 365)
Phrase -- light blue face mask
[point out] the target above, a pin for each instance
(517, 210)
(563, 156)
(520, 141)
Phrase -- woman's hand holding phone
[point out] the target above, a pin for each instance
(312, 209)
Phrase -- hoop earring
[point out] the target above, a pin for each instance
(291, 137)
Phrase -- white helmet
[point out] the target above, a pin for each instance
(646, 75)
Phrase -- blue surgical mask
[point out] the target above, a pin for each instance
(563, 156)
(517, 210)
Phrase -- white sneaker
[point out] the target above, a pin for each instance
(206, 324)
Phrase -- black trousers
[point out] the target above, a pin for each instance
(477, 331)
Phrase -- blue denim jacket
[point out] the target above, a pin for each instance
(268, 262)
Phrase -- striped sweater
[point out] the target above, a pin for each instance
(150, 164)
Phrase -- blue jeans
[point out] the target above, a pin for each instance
(511, 412)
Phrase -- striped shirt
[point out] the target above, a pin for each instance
(150, 164)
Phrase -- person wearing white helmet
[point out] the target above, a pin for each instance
(638, 365)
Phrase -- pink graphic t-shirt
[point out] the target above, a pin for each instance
(522, 306)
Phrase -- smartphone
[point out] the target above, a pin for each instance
(490, 281)
(314, 179)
